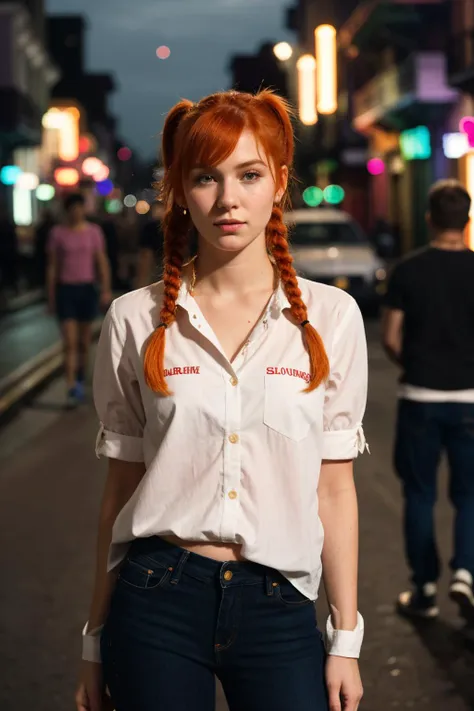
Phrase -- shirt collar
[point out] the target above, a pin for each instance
(277, 304)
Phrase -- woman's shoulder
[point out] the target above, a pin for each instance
(325, 301)
(134, 306)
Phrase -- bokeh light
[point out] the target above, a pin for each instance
(142, 207)
(91, 166)
(130, 201)
(313, 196)
(104, 187)
(102, 174)
(466, 125)
(124, 153)
(27, 181)
(163, 52)
(85, 144)
(45, 192)
(113, 207)
(376, 166)
(334, 194)
(66, 176)
(283, 51)
(9, 174)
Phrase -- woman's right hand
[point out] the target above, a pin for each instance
(91, 694)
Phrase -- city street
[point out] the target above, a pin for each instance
(50, 487)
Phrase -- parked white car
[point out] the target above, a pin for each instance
(329, 246)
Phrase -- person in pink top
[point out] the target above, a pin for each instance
(76, 254)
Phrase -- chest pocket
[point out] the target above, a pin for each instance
(288, 409)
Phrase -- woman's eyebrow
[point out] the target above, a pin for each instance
(247, 163)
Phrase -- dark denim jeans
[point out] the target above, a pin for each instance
(424, 432)
(177, 620)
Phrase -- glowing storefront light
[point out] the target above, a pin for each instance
(283, 51)
(455, 145)
(66, 122)
(306, 67)
(415, 143)
(22, 209)
(9, 174)
(27, 181)
(66, 177)
(45, 192)
(313, 196)
(326, 68)
(470, 190)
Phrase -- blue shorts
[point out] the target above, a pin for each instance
(77, 302)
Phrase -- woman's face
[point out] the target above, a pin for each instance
(231, 204)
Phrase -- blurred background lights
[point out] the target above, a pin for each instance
(130, 201)
(124, 153)
(142, 207)
(163, 52)
(101, 174)
(113, 207)
(306, 67)
(104, 187)
(455, 145)
(45, 192)
(376, 166)
(313, 196)
(27, 181)
(334, 194)
(66, 176)
(85, 144)
(283, 51)
(9, 174)
(91, 166)
(466, 125)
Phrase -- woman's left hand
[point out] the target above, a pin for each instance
(344, 683)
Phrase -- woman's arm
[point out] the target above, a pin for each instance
(339, 515)
(122, 480)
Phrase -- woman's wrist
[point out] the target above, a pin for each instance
(345, 643)
(91, 644)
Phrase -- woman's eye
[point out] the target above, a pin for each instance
(204, 179)
(251, 176)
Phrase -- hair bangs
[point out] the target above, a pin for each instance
(212, 138)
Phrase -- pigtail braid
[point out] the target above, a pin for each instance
(277, 243)
(176, 226)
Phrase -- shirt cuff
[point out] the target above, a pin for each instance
(345, 643)
(344, 444)
(118, 446)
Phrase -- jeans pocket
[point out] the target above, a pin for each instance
(143, 573)
(288, 595)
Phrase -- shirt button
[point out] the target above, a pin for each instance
(232, 494)
(228, 575)
(234, 381)
(233, 438)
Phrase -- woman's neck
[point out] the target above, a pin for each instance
(234, 273)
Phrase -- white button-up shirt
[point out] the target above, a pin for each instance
(234, 454)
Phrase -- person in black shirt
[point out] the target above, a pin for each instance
(150, 256)
(428, 329)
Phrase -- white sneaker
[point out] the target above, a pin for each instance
(461, 591)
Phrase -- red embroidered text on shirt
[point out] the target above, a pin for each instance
(187, 370)
(289, 371)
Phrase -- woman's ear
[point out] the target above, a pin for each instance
(283, 183)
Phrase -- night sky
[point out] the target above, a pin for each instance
(202, 35)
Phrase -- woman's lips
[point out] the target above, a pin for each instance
(230, 226)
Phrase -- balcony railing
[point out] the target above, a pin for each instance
(420, 79)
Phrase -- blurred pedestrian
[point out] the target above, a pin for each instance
(75, 251)
(225, 421)
(9, 255)
(43, 229)
(428, 330)
(150, 256)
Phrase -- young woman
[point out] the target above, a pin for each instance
(76, 251)
(231, 397)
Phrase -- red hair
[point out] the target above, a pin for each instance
(207, 133)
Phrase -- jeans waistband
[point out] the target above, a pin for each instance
(228, 573)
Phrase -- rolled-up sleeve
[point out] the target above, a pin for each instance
(346, 390)
(117, 396)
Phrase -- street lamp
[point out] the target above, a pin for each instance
(306, 67)
(283, 51)
(326, 62)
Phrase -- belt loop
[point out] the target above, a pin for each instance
(269, 588)
(175, 578)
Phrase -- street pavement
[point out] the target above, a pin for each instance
(50, 489)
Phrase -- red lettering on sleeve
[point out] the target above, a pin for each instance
(270, 371)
